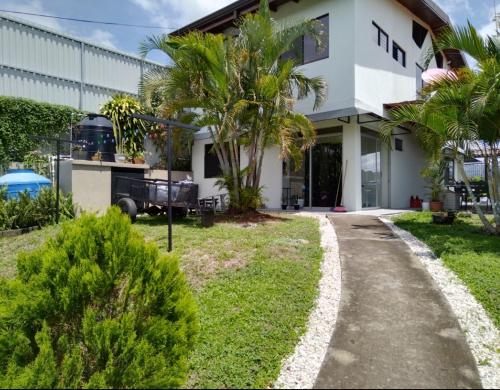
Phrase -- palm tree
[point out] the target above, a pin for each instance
(463, 112)
(243, 92)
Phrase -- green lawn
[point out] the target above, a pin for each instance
(255, 285)
(464, 247)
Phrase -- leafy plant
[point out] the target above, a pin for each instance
(38, 162)
(26, 211)
(129, 132)
(462, 111)
(21, 119)
(435, 172)
(96, 307)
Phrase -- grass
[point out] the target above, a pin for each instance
(255, 284)
(467, 250)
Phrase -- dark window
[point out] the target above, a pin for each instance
(398, 144)
(313, 52)
(380, 37)
(305, 49)
(439, 60)
(418, 77)
(398, 54)
(419, 34)
(212, 166)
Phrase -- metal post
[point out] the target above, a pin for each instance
(57, 177)
(169, 201)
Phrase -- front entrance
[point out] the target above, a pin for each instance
(316, 181)
(371, 176)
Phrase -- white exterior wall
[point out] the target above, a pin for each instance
(337, 69)
(405, 178)
(44, 65)
(359, 74)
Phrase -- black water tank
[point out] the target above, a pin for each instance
(95, 134)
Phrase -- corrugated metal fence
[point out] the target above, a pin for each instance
(44, 65)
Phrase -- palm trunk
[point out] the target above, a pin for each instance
(487, 225)
(235, 175)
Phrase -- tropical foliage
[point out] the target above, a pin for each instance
(461, 112)
(26, 211)
(22, 119)
(243, 91)
(129, 132)
(96, 307)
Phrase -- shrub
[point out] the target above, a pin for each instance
(21, 118)
(96, 307)
(26, 211)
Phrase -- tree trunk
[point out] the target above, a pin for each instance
(235, 172)
(487, 225)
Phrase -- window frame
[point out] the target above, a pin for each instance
(422, 70)
(380, 31)
(327, 51)
(396, 48)
(299, 47)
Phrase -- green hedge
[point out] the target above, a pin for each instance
(22, 118)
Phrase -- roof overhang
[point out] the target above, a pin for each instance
(426, 10)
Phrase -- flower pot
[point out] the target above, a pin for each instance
(296, 207)
(207, 217)
(436, 206)
(284, 206)
(120, 158)
(139, 160)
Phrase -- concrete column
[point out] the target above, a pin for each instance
(351, 152)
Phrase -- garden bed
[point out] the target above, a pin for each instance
(255, 284)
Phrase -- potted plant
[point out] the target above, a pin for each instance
(129, 132)
(97, 156)
(434, 172)
(137, 157)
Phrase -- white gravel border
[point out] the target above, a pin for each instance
(482, 335)
(300, 370)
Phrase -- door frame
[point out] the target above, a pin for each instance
(368, 133)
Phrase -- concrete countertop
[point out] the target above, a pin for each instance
(109, 164)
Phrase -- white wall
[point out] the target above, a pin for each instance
(337, 70)
(271, 179)
(405, 178)
(379, 78)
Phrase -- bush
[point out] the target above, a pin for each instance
(21, 118)
(96, 307)
(26, 211)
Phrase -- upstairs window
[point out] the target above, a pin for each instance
(305, 50)
(418, 76)
(419, 34)
(439, 60)
(380, 37)
(398, 54)
(313, 52)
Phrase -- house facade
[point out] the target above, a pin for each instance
(374, 59)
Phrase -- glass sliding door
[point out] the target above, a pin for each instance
(316, 182)
(371, 176)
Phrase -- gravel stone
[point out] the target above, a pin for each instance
(482, 335)
(300, 370)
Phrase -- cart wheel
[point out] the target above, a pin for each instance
(179, 212)
(128, 207)
(153, 211)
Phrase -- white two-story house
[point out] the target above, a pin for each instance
(373, 60)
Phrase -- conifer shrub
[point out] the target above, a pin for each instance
(96, 307)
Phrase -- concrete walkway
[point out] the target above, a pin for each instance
(395, 329)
